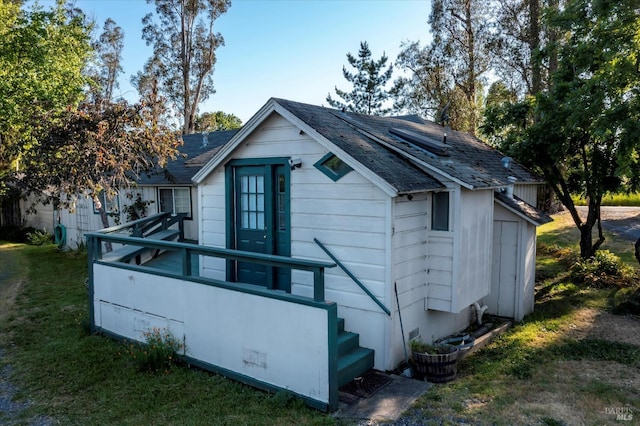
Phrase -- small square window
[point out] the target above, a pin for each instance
(332, 166)
(440, 211)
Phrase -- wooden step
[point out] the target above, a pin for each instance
(353, 364)
(347, 342)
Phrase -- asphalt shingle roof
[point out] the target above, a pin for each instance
(193, 155)
(364, 138)
(518, 205)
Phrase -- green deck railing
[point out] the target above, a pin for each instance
(353, 277)
(95, 252)
(147, 225)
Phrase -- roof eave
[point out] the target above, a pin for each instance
(519, 213)
(273, 106)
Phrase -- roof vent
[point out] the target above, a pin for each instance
(506, 162)
(421, 141)
(205, 139)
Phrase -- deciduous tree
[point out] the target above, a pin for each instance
(450, 71)
(583, 134)
(42, 57)
(214, 121)
(95, 148)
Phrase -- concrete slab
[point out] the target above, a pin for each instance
(387, 404)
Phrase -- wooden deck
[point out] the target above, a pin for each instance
(172, 261)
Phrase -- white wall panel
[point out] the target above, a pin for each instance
(273, 341)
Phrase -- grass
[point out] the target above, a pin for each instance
(77, 378)
(537, 373)
(626, 200)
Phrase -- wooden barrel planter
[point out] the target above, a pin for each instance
(438, 367)
(464, 343)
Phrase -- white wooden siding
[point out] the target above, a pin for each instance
(82, 218)
(409, 247)
(348, 216)
(527, 193)
(409, 253)
(440, 271)
(476, 235)
(270, 340)
(525, 262)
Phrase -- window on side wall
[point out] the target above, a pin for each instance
(440, 211)
(175, 200)
(111, 205)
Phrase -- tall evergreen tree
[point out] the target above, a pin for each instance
(184, 42)
(368, 95)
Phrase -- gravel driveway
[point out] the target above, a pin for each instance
(622, 221)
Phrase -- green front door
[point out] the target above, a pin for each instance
(260, 221)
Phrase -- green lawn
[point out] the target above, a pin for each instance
(539, 372)
(628, 200)
(77, 378)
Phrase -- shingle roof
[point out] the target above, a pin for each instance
(517, 205)
(181, 170)
(368, 139)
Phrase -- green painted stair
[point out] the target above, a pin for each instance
(353, 360)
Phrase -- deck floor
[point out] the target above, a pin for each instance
(172, 261)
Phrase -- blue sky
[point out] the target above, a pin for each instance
(292, 49)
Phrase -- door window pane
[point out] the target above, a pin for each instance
(280, 207)
(252, 202)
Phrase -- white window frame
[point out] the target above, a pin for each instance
(433, 210)
(173, 199)
(111, 206)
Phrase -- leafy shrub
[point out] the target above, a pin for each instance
(566, 255)
(38, 238)
(626, 301)
(15, 234)
(160, 351)
(604, 270)
(419, 346)
(138, 207)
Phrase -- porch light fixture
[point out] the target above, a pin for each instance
(295, 163)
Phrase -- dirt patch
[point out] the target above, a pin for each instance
(595, 324)
(10, 279)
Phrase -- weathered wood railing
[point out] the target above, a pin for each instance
(147, 225)
(95, 254)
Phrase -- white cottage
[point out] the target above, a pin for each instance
(403, 204)
(169, 189)
(421, 221)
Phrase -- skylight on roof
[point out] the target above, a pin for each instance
(421, 141)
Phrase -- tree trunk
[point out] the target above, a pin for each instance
(588, 248)
(553, 37)
(534, 46)
(105, 222)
